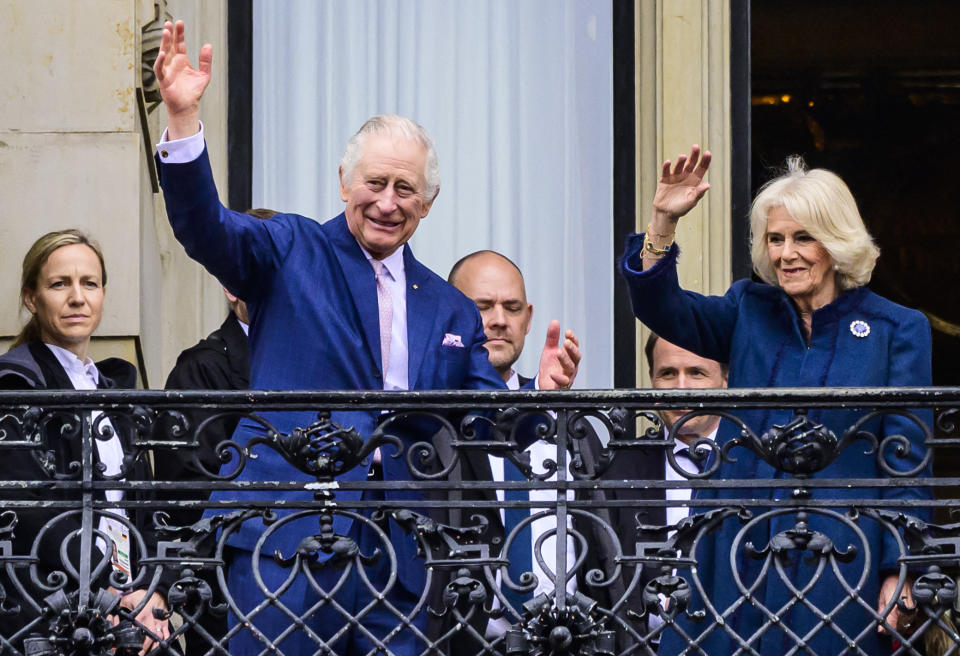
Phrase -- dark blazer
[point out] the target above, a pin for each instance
(221, 361)
(312, 298)
(33, 366)
(627, 465)
(475, 466)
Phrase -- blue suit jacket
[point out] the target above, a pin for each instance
(312, 299)
(755, 328)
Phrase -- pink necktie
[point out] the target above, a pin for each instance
(385, 303)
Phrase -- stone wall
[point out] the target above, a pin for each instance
(72, 154)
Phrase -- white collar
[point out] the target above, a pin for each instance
(393, 263)
(513, 382)
(71, 363)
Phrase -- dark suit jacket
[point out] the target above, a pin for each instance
(475, 466)
(312, 299)
(627, 465)
(33, 367)
(221, 361)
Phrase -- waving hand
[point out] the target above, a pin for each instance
(680, 188)
(181, 85)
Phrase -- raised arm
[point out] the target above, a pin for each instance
(181, 85)
(242, 252)
(680, 188)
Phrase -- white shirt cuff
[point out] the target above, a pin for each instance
(181, 151)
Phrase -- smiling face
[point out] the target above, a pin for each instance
(496, 286)
(804, 267)
(68, 298)
(677, 368)
(386, 196)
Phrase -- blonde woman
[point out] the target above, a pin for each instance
(811, 322)
(63, 282)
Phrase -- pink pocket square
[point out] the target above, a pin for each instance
(450, 339)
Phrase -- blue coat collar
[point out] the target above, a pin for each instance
(840, 308)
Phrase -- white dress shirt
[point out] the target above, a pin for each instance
(676, 513)
(539, 451)
(180, 151)
(85, 376)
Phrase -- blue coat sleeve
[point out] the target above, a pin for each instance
(909, 366)
(241, 251)
(698, 323)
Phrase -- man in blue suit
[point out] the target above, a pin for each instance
(343, 305)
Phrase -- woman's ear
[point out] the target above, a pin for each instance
(27, 298)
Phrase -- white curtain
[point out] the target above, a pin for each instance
(517, 95)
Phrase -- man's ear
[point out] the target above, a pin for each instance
(529, 319)
(344, 190)
(426, 206)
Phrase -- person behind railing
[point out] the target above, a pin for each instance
(670, 367)
(496, 285)
(338, 306)
(63, 287)
(811, 322)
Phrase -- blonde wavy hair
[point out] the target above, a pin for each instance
(33, 262)
(822, 203)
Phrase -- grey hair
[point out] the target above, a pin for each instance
(393, 125)
(822, 203)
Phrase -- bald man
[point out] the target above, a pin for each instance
(496, 285)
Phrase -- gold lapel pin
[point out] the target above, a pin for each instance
(415, 287)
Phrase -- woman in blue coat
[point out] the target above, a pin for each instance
(811, 323)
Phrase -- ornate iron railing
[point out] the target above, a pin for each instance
(795, 523)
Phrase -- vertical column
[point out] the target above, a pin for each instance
(69, 145)
(180, 302)
(683, 97)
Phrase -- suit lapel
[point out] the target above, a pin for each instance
(479, 464)
(361, 282)
(422, 305)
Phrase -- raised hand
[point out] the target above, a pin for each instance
(181, 85)
(559, 362)
(680, 188)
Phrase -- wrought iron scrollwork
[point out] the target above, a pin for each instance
(324, 449)
(626, 585)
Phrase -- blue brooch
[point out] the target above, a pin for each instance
(860, 328)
